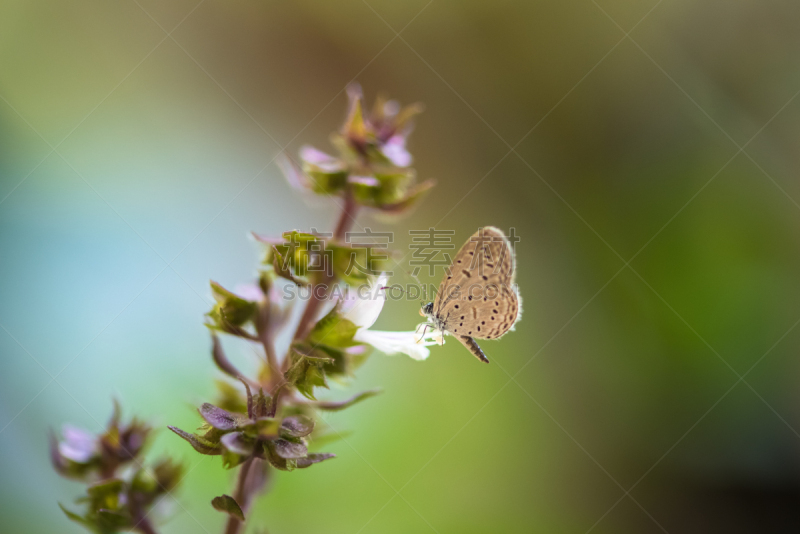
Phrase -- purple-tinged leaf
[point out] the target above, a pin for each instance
(275, 460)
(221, 419)
(296, 177)
(289, 449)
(333, 406)
(55, 456)
(221, 360)
(201, 445)
(250, 412)
(297, 426)
(311, 459)
(262, 404)
(238, 443)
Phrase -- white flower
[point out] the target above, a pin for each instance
(363, 310)
(394, 342)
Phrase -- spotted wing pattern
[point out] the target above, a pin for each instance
(477, 297)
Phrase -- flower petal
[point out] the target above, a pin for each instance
(395, 151)
(251, 292)
(362, 307)
(325, 162)
(396, 342)
(78, 444)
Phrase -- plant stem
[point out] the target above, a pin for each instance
(348, 216)
(143, 524)
(242, 494)
(346, 220)
(145, 527)
(242, 497)
(262, 325)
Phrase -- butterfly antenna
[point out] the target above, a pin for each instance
(416, 279)
(409, 273)
(419, 284)
(392, 288)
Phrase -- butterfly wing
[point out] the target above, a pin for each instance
(477, 297)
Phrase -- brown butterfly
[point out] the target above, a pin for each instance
(477, 298)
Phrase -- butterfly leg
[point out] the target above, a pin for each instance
(422, 337)
(473, 347)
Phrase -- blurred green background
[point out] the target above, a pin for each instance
(624, 148)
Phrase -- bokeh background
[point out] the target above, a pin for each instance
(656, 395)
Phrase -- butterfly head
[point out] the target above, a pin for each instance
(426, 310)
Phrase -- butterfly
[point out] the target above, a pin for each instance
(477, 299)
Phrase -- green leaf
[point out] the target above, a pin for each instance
(161, 478)
(305, 372)
(262, 404)
(394, 186)
(333, 330)
(105, 494)
(231, 459)
(336, 366)
(354, 127)
(303, 238)
(283, 268)
(314, 377)
(330, 437)
(104, 487)
(413, 197)
(268, 427)
(112, 520)
(345, 361)
(218, 322)
(168, 474)
(229, 397)
(75, 517)
(234, 309)
(313, 458)
(333, 406)
(354, 264)
(386, 186)
(317, 357)
(200, 444)
(325, 183)
(227, 504)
